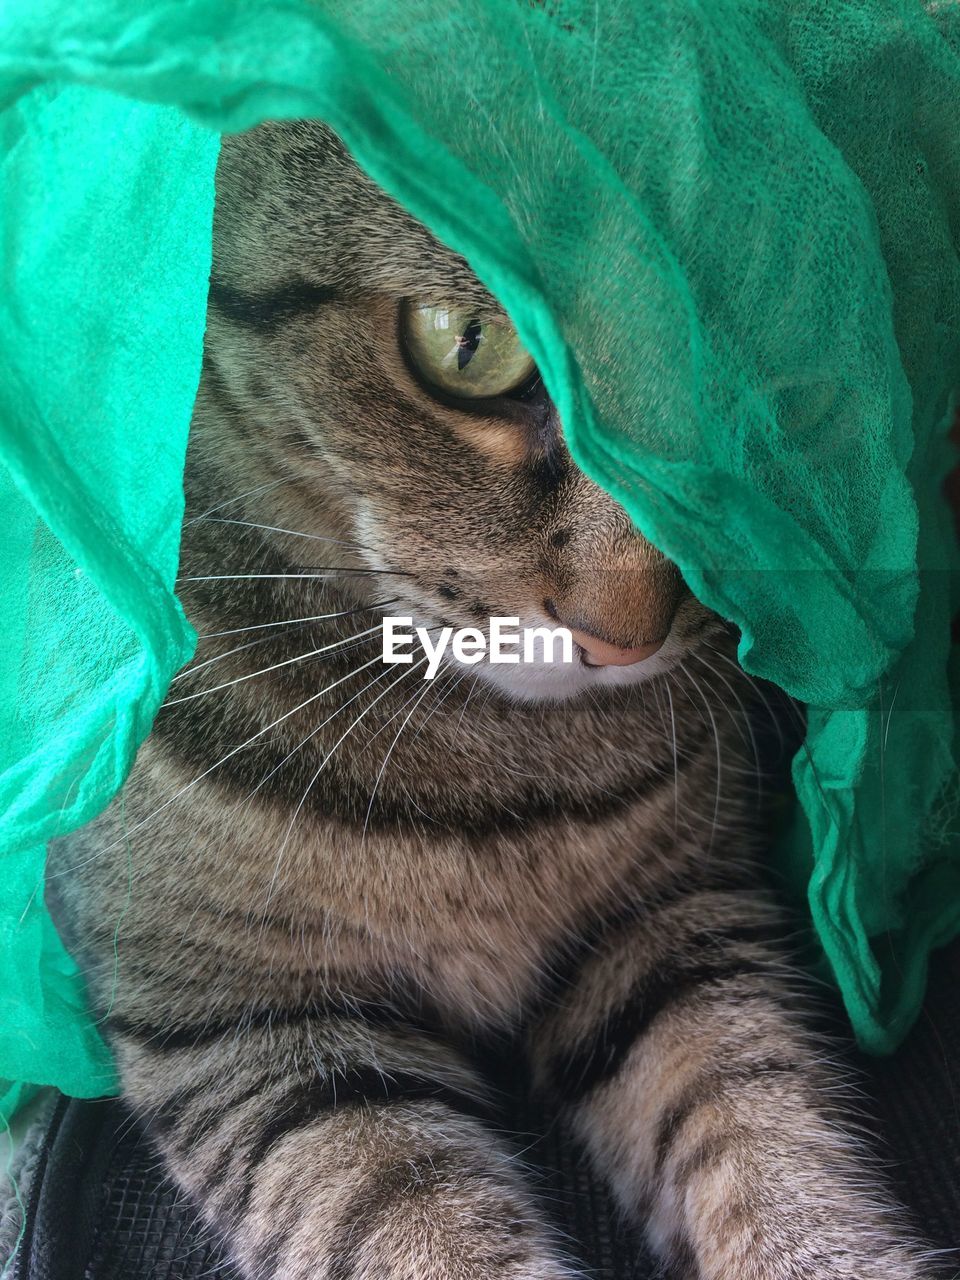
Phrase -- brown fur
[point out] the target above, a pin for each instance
(347, 879)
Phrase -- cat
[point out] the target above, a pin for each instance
(330, 884)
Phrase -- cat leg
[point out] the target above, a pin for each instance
(324, 1145)
(680, 1055)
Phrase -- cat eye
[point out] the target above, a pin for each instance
(457, 352)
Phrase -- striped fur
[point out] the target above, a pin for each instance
(328, 885)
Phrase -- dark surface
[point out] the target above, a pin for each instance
(100, 1210)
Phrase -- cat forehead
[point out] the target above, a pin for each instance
(292, 201)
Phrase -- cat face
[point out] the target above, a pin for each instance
(367, 364)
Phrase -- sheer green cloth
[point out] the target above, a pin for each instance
(727, 231)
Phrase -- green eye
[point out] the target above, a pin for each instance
(464, 355)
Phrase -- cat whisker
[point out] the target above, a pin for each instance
(294, 533)
(414, 805)
(416, 698)
(199, 666)
(317, 617)
(463, 710)
(325, 572)
(323, 763)
(716, 740)
(792, 709)
(300, 745)
(260, 488)
(553, 775)
(300, 657)
(454, 679)
(223, 760)
(742, 722)
(390, 719)
(323, 724)
(676, 762)
(452, 686)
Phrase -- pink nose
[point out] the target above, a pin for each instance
(597, 653)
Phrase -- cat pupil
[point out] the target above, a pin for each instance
(467, 343)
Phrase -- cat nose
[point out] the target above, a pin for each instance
(598, 653)
(601, 653)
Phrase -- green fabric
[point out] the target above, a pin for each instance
(104, 249)
(727, 232)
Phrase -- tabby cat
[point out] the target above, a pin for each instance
(338, 885)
